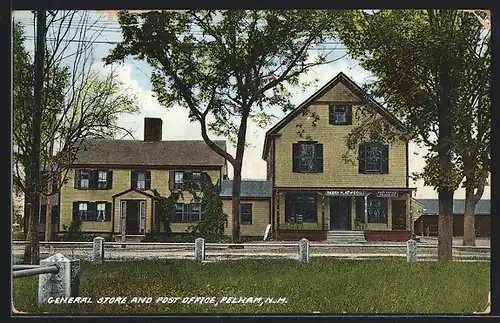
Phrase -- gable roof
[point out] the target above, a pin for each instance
(364, 97)
(249, 188)
(138, 152)
(431, 206)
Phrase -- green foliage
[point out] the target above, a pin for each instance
(213, 220)
(432, 69)
(165, 207)
(73, 232)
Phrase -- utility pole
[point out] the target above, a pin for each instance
(32, 251)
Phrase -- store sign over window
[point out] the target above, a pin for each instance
(345, 193)
(387, 194)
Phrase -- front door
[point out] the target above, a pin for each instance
(132, 219)
(340, 213)
(398, 215)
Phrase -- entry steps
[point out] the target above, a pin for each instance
(345, 236)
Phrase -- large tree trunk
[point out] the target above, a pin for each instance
(48, 215)
(236, 202)
(445, 225)
(471, 200)
(32, 251)
(469, 218)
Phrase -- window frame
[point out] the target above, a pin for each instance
(81, 210)
(100, 179)
(332, 113)
(383, 205)
(248, 213)
(83, 172)
(298, 157)
(365, 162)
(298, 203)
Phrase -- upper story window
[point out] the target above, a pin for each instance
(93, 179)
(183, 180)
(340, 114)
(307, 157)
(373, 158)
(140, 179)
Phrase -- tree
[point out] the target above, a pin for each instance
(211, 224)
(227, 67)
(78, 102)
(420, 60)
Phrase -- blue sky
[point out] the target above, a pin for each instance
(176, 126)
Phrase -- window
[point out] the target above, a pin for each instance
(187, 212)
(178, 180)
(340, 114)
(194, 212)
(377, 209)
(101, 212)
(140, 179)
(84, 179)
(92, 211)
(102, 181)
(196, 180)
(93, 179)
(246, 213)
(307, 157)
(373, 158)
(83, 211)
(299, 206)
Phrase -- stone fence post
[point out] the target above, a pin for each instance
(98, 250)
(411, 251)
(66, 283)
(304, 250)
(199, 249)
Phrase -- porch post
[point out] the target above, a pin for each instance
(278, 211)
(322, 210)
(366, 209)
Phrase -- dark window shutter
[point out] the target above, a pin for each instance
(109, 180)
(77, 178)
(296, 157)
(349, 114)
(361, 158)
(91, 211)
(331, 117)
(171, 180)
(109, 206)
(319, 158)
(93, 179)
(148, 180)
(75, 211)
(384, 167)
(188, 180)
(133, 179)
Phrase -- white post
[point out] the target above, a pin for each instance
(411, 251)
(304, 250)
(66, 283)
(98, 252)
(199, 249)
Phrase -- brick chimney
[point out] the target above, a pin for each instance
(152, 129)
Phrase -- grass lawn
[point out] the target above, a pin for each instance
(325, 285)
